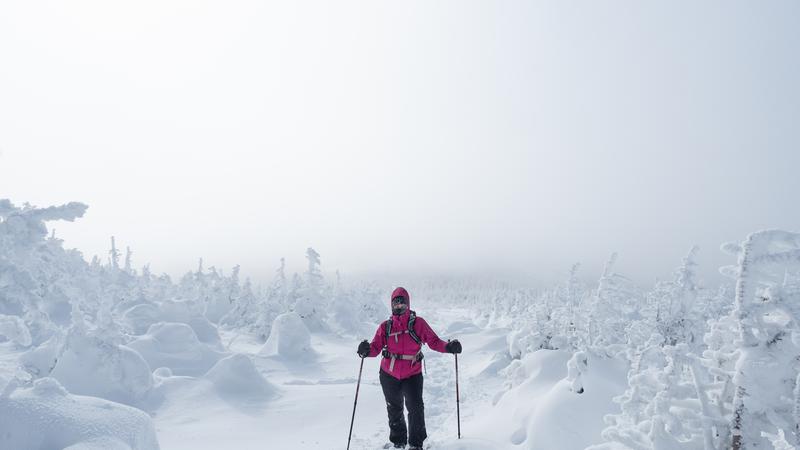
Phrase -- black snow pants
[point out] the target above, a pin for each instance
(410, 390)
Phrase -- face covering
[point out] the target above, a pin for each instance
(399, 306)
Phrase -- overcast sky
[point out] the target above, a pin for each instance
(413, 136)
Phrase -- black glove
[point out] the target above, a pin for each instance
(453, 346)
(363, 349)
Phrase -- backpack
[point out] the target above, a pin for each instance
(388, 327)
(411, 319)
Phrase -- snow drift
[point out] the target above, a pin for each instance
(289, 338)
(540, 407)
(176, 346)
(139, 318)
(88, 365)
(46, 416)
(237, 376)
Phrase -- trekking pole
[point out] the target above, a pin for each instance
(458, 409)
(355, 402)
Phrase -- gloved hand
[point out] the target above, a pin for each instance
(363, 349)
(453, 346)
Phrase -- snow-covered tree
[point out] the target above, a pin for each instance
(314, 277)
(128, 260)
(613, 306)
(676, 304)
(274, 303)
(309, 299)
(767, 365)
(114, 255)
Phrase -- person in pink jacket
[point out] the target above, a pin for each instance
(401, 368)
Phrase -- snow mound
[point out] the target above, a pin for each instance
(46, 416)
(237, 375)
(461, 327)
(541, 412)
(205, 330)
(580, 415)
(289, 338)
(90, 366)
(175, 345)
(234, 381)
(39, 361)
(139, 318)
(498, 362)
(14, 329)
(187, 312)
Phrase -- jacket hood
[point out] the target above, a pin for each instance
(400, 292)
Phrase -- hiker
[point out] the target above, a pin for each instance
(399, 340)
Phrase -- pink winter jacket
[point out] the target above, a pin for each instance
(404, 344)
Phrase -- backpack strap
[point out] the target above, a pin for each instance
(411, 320)
(387, 326)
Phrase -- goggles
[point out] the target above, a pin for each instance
(399, 301)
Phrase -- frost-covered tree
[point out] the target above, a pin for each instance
(712, 374)
(37, 275)
(629, 427)
(778, 440)
(576, 367)
(26, 226)
(245, 311)
(677, 309)
(309, 298)
(660, 410)
(278, 290)
(345, 311)
(220, 293)
(767, 364)
(566, 315)
(742, 391)
(614, 305)
(128, 260)
(274, 303)
(676, 304)
(113, 255)
(14, 329)
(314, 273)
(572, 300)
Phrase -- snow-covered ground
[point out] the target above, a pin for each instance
(314, 405)
(305, 403)
(104, 356)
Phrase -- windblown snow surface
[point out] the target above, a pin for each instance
(281, 396)
(105, 356)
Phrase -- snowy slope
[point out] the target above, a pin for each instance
(313, 408)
